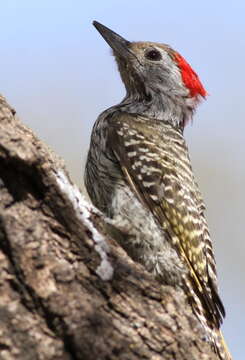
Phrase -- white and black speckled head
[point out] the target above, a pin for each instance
(158, 81)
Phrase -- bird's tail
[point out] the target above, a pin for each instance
(220, 345)
(213, 332)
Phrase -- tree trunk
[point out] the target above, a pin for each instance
(67, 289)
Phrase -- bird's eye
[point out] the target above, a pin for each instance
(153, 55)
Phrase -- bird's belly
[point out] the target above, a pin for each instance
(145, 241)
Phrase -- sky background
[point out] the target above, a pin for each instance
(58, 73)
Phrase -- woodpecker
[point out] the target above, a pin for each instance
(138, 173)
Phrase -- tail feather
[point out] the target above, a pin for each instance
(220, 346)
(212, 330)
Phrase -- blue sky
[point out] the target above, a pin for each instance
(59, 74)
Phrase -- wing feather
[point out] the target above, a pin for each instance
(175, 203)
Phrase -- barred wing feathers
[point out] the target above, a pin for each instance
(155, 162)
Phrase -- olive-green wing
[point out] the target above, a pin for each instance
(153, 176)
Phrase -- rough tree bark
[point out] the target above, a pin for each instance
(67, 290)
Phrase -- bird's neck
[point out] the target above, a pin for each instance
(173, 109)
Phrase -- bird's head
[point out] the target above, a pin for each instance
(151, 69)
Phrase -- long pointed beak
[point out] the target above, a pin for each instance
(118, 44)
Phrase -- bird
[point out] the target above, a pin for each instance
(139, 175)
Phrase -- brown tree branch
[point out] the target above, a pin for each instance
(67, 290)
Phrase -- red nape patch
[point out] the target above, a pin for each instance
(189, 77)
